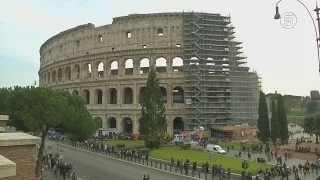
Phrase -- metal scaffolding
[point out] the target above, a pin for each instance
(212, 70)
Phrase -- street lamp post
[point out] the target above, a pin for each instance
(317, 31)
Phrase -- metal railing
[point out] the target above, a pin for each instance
(196, 172)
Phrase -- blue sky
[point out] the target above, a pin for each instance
(286, 59)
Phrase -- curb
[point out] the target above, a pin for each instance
(129, 162)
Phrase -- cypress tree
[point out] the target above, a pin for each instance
(282, 118)
(263, 121)
(275, 129)
(153, 122)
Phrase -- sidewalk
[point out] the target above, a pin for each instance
(48, 175)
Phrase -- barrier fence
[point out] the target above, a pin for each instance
(197, 172)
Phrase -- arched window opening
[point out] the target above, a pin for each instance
(100, 38)
(67, 73)
(87, 70)
(98, 96)
(141, 93)
(76, 72)
(114, 68)
(160, 32)
(112, 122)
(178, 125)
(178, 95)
(86, 96)
(100, 69)
(75, 92)
(177, 64)
(194, 61)
(161, 65)
(128, 96)
(112, 96)
(164, 94)
(54, 75)
(129, 66)
(60, 74)
(144, 66)
(45, 78)
(127, 125)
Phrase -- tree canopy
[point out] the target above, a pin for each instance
(282, 118)
(263, 121)
(275, 129)
(312, 125)
(153, 122)
(39, 109)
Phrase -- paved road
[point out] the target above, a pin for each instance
(90, 166)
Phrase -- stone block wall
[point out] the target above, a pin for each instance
(24, 157)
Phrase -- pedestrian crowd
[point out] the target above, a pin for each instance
(58, 167)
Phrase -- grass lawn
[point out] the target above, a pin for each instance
(126, 142)
(201, 157)
(297, 112)
(295, 118)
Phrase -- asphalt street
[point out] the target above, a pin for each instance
(91, 166)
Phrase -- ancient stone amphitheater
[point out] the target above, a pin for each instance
(202, 73)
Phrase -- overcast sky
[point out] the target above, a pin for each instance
(286, 59)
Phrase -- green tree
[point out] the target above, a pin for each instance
(312, 125)
(312, 107)
(282, 118)
(263, 121)
(275, 129)
(153, 121)
(39, 109)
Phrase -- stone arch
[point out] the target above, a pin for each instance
(76, 72)
(86, 96)
(100, 120)
(127, 125)
(178, 95)
(112, 122)
(177, 64)
(100, 68)
(60, 74)
(144, 65)
(98, 95)
(75, 92)
(67, 73)
(114, 68)
(164, 94)
(161, 65)
(178, 125)
(128, 66)
(112, 96)
(54, 75)
(128, 96)
(141, 92)
(87, 69)
(49, 77)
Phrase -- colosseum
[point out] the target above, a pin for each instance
(202, 72)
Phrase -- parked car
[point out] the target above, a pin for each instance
(212, 148)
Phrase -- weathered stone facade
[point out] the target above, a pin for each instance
(108, 66)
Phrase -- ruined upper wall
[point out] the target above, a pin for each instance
(88, 39)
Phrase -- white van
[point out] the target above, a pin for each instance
(212, 148)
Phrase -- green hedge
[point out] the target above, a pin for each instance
(153, 144)
(185, 147)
